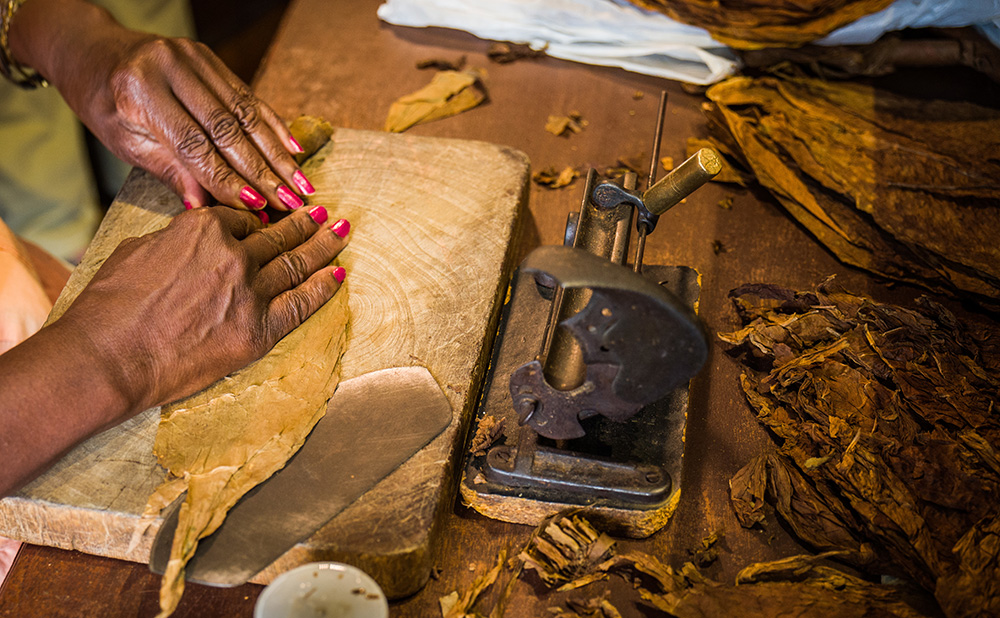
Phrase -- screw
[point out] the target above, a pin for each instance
(653, 477)
(526, 407)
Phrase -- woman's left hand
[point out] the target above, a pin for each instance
(167, 105)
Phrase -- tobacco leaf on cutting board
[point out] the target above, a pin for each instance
(755, 24)
(448, 94)
(887, 428)
(904, 188)
(220, 443)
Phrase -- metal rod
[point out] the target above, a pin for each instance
(640, 241)
(656, 139)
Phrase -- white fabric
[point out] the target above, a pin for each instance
(616, 33)
(588, 31)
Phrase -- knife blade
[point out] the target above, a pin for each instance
(373, 424)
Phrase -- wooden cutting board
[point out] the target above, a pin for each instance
(430, 254)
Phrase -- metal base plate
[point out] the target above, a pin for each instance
(629, 471)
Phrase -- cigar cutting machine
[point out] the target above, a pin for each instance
(591, 366)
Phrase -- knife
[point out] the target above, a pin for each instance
(373, 424)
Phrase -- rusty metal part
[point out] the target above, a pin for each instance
(636, 342)
(602, 230)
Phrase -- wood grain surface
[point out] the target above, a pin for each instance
(416, 204)
(335, 59)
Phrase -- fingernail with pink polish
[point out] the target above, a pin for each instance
(288, 198)
(263, 217)
(303, 183)
(318, 214)
(296, 147)
(341, 228)
(252, 199)
(188, 205)
(339, 274)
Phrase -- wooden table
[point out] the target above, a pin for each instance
(333, 58)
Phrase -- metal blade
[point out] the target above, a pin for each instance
(373, 424)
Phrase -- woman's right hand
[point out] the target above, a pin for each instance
(176, 310)
(166, 315)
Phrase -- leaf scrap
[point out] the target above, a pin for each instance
(567, 551)
(504, 53)
(448, 94)
(488, 431)
(565, 125)
(551, 179)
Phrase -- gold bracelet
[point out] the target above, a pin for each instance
(10, 68)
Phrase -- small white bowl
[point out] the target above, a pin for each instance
(322, 589)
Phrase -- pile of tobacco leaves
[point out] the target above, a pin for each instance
(907, 189)
(887, 427)
(753, 24)
(568, 554)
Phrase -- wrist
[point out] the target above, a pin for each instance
(88, 358)
(58, 38)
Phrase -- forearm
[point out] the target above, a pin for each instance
(55, 391)
(60, 38)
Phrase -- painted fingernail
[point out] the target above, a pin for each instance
(263, 217)
(288, 198)
(341, 228)
(339, 274)
(187, 205)
(252, 199)
(302, 183)
(296, 147)
(318, 213)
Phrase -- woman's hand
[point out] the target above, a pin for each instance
(165, 316)
(176, 310)
(167, 105)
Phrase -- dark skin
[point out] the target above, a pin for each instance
(165, 316)
(167, 105)
(171, 312)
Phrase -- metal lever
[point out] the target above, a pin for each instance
(681, 182)
(638, 343)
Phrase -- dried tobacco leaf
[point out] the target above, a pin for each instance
(887, 425)
(565, 125)
(753, 24)
(441, 64)
(903, 188)
(551, 179)
(503, 53)
(488, 431)
(448, 94)
(567, 551)
(459, 605)
(217, 445)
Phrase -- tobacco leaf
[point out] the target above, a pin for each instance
(567, 551)
(901, 187)
(442, 64)
(565, 125)
(504, 53)
(459, 605)
(755, 24)
(223, 441)
(488, 431)
(551, 179)
(886, 423)
(448, 94)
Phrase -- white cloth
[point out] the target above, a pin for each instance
(589, 31)
(616, 33)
